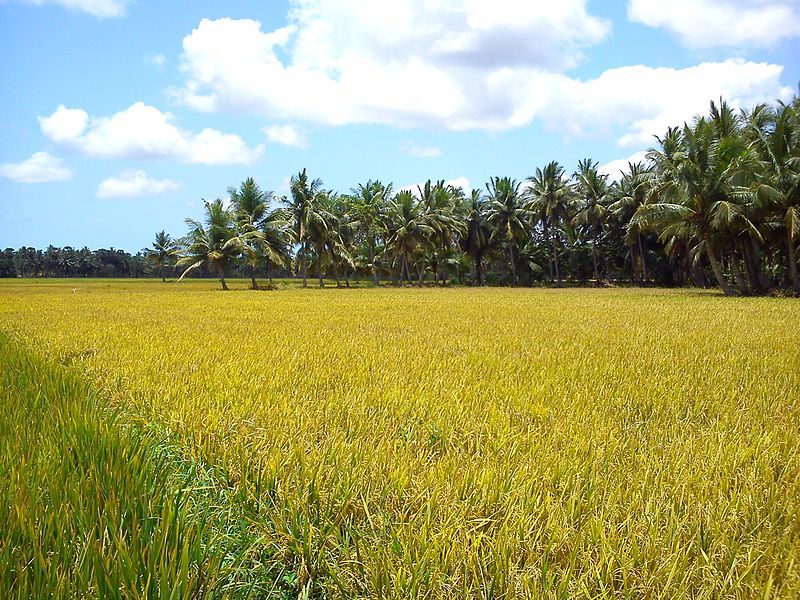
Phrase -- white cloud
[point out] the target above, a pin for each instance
(157, 60)
(709, 23)
(639, 102)
(287, 135)
(41, 167)
(615, 168)
(412, 149)
(99, 8)
(402, 63)
(130, 184)
(143, 132)
(344, 61)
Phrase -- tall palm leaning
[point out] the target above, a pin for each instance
(507, 215)
(550, 201)
(207, 242)
(592, 189)
(164, 251)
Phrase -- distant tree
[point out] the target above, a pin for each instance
(164, 252)
(508, 216)
(207, 243)
(550, 201)
(591, 188)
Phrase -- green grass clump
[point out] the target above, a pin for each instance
(94, 506)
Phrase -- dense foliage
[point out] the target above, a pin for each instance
(715, 203)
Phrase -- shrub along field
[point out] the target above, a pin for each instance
(399, 443)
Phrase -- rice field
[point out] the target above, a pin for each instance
(396, 443)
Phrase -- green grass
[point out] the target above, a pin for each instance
(95, 505)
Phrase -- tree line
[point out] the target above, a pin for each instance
(715, 203)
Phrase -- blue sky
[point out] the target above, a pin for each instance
(119, 116)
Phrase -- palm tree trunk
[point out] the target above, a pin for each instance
(375, 278)
(303, 273)
(319, 268)
(750, 267)
(741, 284)
(253, 277)
(511, 262)
(546, 233)
(421, 272)
(221, 273)
(404, 274)
(335, 271)
(555, 262)
(644, 261)
(594, 258)
(792, 257)
(717, 268)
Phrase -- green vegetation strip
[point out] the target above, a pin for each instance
(95, 505)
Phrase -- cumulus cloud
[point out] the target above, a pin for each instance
(709, 23)
(639, 102)
(615, 168)
(287, 135)
(417, 151)
(99, 8)
(458, 65)
(143, 132)
(41, 167)
(130, 184)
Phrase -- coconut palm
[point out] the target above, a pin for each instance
(776, 136)
(300, 205)
(476, 240)
(164, 251)
(631, 192)
(410, 229)
(207, 243)
(592, 189)
(369, 205)
(550, 200)
(507, 215)
(249, 204)
(701, 187)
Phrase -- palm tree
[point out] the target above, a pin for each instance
(369, 204)
(438, 205)
(592, 189)
(550, 200)
(476, 241)
(164, 250)
(207, 243)
(776, 136)
(410, 229)
(303, 194)
(701, 187)
(250, 206)
(631, 192)
(320, 227)
(507, 215)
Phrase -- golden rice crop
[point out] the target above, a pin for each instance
(467, 442)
